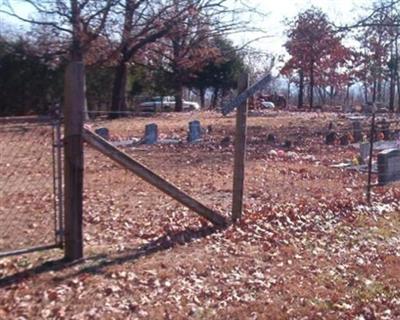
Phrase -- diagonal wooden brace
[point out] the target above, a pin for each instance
(149, 176)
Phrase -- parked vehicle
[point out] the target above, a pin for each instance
(268, 105)
(167, 103)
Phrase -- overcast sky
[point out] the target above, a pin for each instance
(339, 11)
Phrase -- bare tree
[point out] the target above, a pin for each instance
(79, 22)
(144, 22)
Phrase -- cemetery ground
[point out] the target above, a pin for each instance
(308, 247)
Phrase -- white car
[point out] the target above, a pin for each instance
(167, 103)
(268, 105)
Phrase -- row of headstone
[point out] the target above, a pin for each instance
(151, 133)
(333, 138)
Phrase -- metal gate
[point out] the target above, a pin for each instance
(31, 200)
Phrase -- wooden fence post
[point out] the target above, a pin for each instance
(240, 152)
(74, 95)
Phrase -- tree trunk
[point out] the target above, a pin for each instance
(214, 98)
(312, 85)
(374, 91)
(118, 102)
(347, 99)
(202, 93)
(392, 89)
(331, 95)
(379, 90)
(77, 51)
(178, 99)
(321, 93)
(301, 89)
(396, 71)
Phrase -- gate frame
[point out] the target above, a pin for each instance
(55, 122)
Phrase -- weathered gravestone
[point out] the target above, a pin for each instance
(271, 138)
(344, 140)
(103, 132)
(331, 138)
(150, 134)
(194, 133)
(357, 131)
(287, 144)
(364, 150)
(388, 166)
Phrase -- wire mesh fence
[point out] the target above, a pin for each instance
(130, 211)
(30, 185)
(290, 163)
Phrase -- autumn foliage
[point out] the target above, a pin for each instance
(317, 54)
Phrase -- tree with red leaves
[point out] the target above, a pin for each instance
(316, 51)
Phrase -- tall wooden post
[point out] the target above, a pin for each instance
(240, 152)
(74, 95)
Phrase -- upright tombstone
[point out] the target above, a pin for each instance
(388, 166)
(150, 134)
(357, 131)
(103, 132)
(271, 138)
(194, 133)
(344, 140)
(364, 150)
(331, 138)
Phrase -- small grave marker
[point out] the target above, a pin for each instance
(194, 133)
(271, 138)
(150, 134)
(344, 140)
(103, 132)
(331, 138)
(388, 166)
(364, 150)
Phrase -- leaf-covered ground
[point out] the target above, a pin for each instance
(308, 247)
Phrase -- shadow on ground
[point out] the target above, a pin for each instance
(97, 263)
